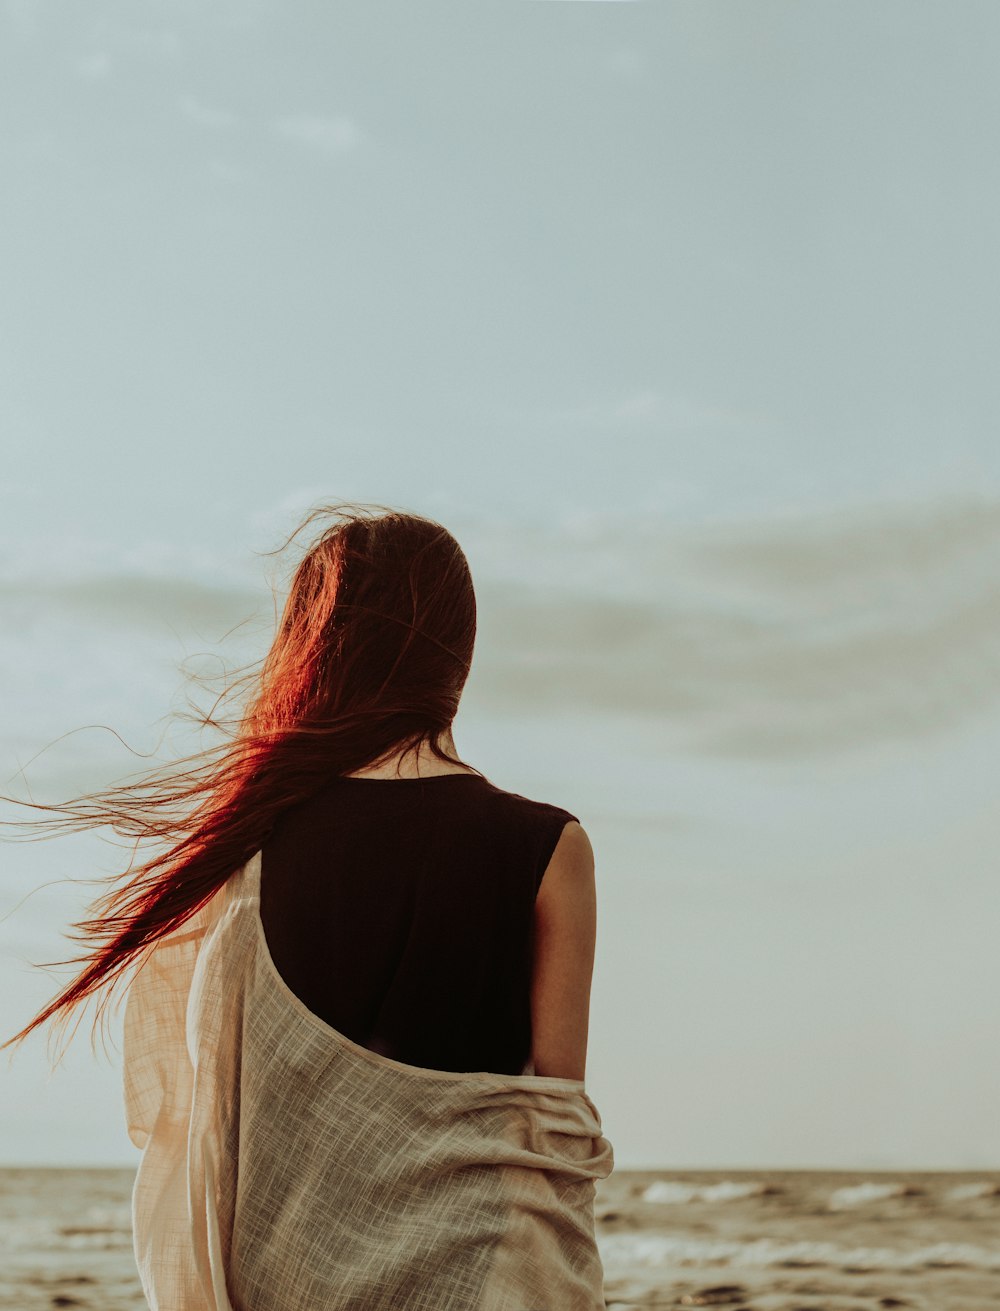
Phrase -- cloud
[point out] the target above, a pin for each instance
(137, 601)
(796, 636)
(330, 135)
(211, 116)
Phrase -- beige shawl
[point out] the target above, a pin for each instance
(286, 1168)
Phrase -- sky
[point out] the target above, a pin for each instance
(683, 317)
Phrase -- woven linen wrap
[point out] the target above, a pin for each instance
(287, 1168)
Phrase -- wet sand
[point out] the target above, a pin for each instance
(800, 1240)
(761, 1240)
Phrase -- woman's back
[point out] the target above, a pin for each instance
(402, 912)
(285, 1165)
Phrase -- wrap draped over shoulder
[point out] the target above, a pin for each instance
(286, 1168)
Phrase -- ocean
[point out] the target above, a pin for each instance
(782, 1240)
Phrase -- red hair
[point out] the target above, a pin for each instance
(371, 654)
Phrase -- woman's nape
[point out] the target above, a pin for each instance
(414, 763)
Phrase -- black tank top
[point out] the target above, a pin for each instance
(400, 911)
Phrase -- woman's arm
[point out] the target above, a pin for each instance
(565, 939)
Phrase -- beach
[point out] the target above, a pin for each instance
(785, 1240)
(801, 1240)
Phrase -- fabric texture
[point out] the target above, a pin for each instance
(401, 911)
(287, 1168)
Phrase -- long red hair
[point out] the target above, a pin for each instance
(371, 654)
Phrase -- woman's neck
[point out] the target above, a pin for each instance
(414, 764)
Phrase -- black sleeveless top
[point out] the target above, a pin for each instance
(401, 912)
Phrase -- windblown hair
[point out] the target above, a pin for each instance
(371, 655)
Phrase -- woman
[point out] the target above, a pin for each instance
(355, 1041)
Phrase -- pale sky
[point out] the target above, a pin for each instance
(579, 279)
(677, 256)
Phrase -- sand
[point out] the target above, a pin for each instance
(770, 1241)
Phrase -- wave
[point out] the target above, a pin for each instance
(100, 1228)
(635, 1249)
(674, 1192)
(862, 1194)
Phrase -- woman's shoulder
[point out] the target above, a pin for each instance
(532, 807)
